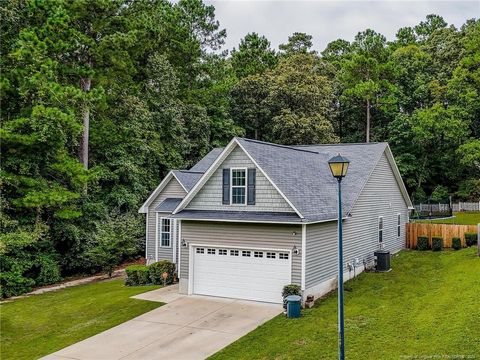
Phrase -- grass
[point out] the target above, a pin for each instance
(460, 218)
(427, 307)
(39, 325)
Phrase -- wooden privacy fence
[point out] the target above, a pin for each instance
(446, 231)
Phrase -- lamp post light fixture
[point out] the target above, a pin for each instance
(339, 166)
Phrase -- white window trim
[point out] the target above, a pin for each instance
(159, 230)
(156, 236)
(245, 186)
(378, 229)
(399, 225)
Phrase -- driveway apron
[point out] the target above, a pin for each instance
(187, 327)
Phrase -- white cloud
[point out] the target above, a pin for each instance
(330, 20)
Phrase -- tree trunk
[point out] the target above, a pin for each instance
(85, 84)
(368, 120)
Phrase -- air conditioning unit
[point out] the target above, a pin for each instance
(382, 260)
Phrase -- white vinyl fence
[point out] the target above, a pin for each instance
(466, 206)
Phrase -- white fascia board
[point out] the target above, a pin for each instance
(270, 180)
(186, 200)
(243, 221)
(262, 221)
(153, 195)
(398, 177)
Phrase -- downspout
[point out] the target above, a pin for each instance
(304, 255)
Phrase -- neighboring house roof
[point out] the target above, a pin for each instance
(302, 176)
(186, 178)
(168, 205)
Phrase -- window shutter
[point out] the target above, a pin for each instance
(251, 186)
(226, 187)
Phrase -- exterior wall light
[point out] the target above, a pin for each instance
(295, 250)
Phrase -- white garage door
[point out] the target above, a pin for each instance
(251, 274)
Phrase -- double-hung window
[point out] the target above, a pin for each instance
(380, 229)
(239, 186)
(164, 232)
(399, 221)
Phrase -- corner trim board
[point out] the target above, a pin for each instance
(179, 248)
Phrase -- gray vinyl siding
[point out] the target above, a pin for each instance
(243, 235)
(172, 190)
(381, 196)
(210, 196)
(321, 253)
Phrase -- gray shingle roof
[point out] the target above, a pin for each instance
(168, 205)
(187, 178)
(254, 216)
(207, 160)
(303, 175)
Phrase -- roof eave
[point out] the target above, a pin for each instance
(144, 208)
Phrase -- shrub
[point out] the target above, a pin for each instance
(291, 290)
(49, 271)
(470, 239)
(156, 270)
(136, 275)
(422, 243)
(456, 243)
(288, 290)
(13, 283)
(437, 243)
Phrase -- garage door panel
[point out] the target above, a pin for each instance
(224, 282)
(243, 277)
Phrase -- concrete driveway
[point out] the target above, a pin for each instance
(187, 327)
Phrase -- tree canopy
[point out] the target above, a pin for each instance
(101, 98)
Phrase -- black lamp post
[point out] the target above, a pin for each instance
(339, 166)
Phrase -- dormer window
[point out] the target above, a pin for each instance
(239, 186)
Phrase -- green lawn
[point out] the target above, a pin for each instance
(427, 306)
(41, 324)
(460, 218)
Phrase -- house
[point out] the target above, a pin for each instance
(252, 217)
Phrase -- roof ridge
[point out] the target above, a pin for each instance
(343, 144)
(279, 145)
(189, 171)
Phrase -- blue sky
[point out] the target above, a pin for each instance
(330, 20)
